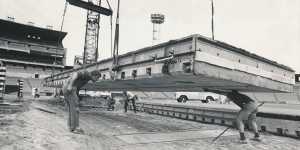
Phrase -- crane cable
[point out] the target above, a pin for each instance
(111, 30)
(61, 27)
(112, 49)
(63, 16)
(116, 41)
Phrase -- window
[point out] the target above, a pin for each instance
(148, 71)
(187, 67)
(36, 75)
(122, 75)
(297, 77)
(134, 73)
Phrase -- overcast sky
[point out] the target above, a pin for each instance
(269, 28)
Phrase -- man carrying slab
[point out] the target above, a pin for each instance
(248, 111)
(71, 94)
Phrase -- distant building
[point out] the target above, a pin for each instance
(30, 53)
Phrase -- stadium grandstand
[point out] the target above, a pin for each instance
(30, 53)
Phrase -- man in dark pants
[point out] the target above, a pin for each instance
(129, 97)
(71, 94)
(111, 103)
(248, 111)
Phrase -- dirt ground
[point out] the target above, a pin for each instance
(42, 126)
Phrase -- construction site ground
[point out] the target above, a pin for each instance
(41, 124)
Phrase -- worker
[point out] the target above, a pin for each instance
(249, 109)
(36, 93)
(111, 103)
(71, 95)
(129, 97)
(33, 92)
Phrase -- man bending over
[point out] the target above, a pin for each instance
(248, 111)
(71, 93)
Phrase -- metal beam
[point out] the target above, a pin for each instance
(90, 6)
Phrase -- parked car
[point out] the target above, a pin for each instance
(204, 97)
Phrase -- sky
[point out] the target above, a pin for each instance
(269, 28)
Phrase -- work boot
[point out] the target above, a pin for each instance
(78, 130)
(257, 138)
(243, 139)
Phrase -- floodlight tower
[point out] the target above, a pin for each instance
(156, 19)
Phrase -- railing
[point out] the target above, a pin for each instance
(279, 124)
(27, 46)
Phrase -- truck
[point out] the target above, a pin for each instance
(204, 97)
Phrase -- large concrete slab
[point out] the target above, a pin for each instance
(188, 64)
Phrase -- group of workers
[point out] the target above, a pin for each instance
(248, 106)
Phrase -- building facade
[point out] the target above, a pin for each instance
(30, 53)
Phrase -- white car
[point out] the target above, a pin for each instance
(204, 97)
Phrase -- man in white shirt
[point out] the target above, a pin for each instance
(129, 97)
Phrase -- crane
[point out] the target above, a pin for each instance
(90, 54)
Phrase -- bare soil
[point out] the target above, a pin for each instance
(35, 129)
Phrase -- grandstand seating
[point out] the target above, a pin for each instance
(29, 83)
(32, 57)
(30, 53)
